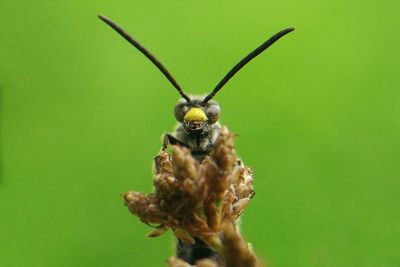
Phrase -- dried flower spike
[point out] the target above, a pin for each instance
(197, 200)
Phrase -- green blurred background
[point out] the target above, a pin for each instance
(318, 119)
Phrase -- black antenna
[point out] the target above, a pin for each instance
(147, 54)
(246, 60)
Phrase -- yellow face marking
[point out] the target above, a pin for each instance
(195, 114)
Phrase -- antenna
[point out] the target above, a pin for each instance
(145, 52)
(246, 60)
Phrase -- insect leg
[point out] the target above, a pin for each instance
(169, 139)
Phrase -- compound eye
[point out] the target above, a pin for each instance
(180, 110)
(212, 111)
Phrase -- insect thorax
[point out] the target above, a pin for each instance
(198, 142)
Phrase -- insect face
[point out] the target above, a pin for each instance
(196, 116)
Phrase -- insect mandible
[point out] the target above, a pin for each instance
(198, 116)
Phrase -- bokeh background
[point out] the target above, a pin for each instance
(318, 118)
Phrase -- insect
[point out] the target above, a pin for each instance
(197, 116)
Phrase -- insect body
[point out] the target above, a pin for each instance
(197, 116)
(198, 125)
